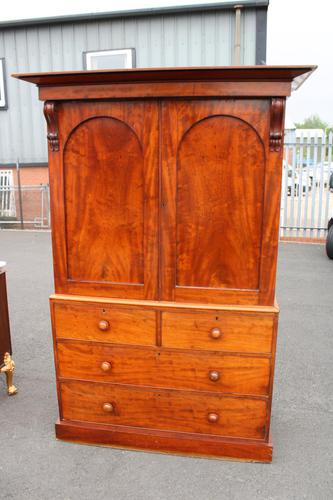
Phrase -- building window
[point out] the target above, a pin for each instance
(7, 194)
(3, 101)
(109, 59)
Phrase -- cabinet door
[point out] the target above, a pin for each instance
(213, 187)
(104, 184)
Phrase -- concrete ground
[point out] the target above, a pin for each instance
(33, 465)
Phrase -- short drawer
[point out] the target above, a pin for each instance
(164, 368)
(105, 323)
(162, 409)
(220, 330)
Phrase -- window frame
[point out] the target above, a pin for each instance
(129, 52)
(3, 89)
(7, 193)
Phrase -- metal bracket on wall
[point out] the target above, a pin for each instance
(50, 113)
(276, 124)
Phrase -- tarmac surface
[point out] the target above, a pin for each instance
(34, 465)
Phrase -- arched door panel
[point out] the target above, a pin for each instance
(213, 188)
(109, 187)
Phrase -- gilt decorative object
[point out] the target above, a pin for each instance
(8, 369)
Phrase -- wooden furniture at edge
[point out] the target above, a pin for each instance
(7, 365)
(165, 187)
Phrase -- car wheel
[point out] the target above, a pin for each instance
(329, 243)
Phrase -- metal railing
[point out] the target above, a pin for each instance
(25, 207)
(307, 185)
(306, 202)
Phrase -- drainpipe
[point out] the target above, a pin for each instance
(19, 192)
(237, 46)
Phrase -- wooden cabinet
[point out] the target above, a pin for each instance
(165, 189)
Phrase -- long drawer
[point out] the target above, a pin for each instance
(220, 330)
(164, 368)
(104, 323)
(162, 409)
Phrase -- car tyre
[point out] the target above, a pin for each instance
(329, 243)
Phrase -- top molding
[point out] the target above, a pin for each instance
(228, 81)
(202, 73)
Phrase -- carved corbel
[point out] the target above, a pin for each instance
(50, 113)
(276, 124)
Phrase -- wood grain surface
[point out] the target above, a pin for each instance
(184, 257)
(157, 441)
(164, 90)
(162, 305)
(110, 248)
(240, 332)
(258, 74)
(213, 171)
(165, 189)
(126, 326)
(211, 205)
(164, 368)
(104, 186)
(164, 409)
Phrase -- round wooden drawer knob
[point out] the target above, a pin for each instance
(103, 325)
(215, 333)
(108, 407)
(214, 375)
(106, 366)
(213, 418)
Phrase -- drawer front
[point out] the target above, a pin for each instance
(164, 368)
(225, 331)
(105, 324)
(161, 409)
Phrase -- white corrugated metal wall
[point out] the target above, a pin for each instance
(183, 39)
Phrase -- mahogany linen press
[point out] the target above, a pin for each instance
(165, 194)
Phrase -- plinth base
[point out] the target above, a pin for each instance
(152, 440)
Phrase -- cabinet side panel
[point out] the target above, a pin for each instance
(271, 222)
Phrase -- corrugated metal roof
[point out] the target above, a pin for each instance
(96, 16)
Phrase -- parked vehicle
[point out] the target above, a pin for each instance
(329, 239)
(298, 183)
(320, 174)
